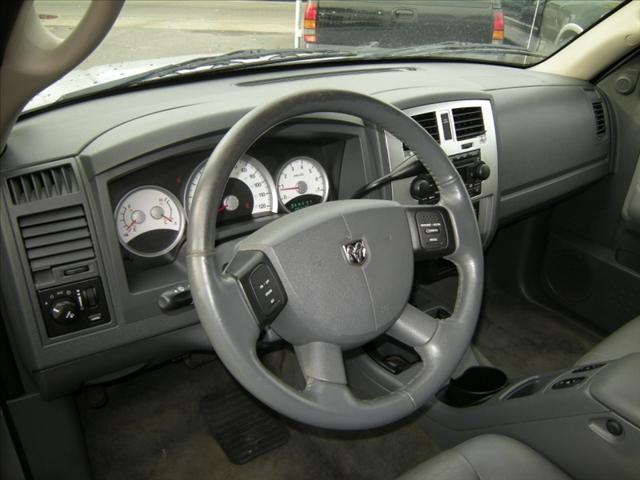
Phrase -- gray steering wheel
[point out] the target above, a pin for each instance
(334, 276)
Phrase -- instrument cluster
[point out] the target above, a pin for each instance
(151, 219)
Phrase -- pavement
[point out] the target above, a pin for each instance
(149, 29)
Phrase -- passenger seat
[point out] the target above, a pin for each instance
(622, 342)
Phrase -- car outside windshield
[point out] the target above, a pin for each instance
(156, 39)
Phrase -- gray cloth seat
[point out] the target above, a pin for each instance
(487, 457)
(622, 342)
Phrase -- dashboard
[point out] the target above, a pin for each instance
(96, 194)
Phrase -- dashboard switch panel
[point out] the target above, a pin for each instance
(568, 383)
(73, 307)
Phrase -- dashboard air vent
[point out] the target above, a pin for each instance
(468, 122)
(43, 184)
(56, 237)
(601, 125)
(429, 123)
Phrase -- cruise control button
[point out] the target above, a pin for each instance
(431, 228)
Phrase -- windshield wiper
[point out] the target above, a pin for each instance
(240, 59)
(456, 48)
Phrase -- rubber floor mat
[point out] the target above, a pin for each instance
(244, 428)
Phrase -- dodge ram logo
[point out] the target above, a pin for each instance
(355, 252)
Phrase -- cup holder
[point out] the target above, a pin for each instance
(474, 386)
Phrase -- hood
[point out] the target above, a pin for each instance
(83, 78)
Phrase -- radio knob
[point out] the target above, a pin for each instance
(64, 311)
(482, 171)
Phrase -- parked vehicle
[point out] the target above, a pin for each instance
(546, 25)
(401, 24)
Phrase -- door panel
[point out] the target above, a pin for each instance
(631, 211)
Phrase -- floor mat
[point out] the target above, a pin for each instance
(514, 334)
(152, 429)
(244, 428)
(525, 339)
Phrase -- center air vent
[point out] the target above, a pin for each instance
(43, 184)
(468, 122)
(429, 123)
(601, 125)
(56, 238)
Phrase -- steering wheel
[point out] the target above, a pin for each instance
(334, 276)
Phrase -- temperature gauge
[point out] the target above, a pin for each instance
(150, 221)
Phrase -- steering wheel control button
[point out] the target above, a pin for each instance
(175, 298)
(260, 284)
(266, 291)
(432, 229)
(568, 383)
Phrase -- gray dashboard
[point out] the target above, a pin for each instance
(542, 138)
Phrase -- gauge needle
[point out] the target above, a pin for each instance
(222, 208)
(290, 188)
(133, 222)
(167, 218)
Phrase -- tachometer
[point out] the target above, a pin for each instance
(150, 221)
(249, 191)
(302, 182)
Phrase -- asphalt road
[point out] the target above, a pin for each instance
(148, 29)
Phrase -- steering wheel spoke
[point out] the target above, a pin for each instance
(432, 233)
(414, 327)
(321, 361)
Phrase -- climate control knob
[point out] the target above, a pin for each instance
(64, 311)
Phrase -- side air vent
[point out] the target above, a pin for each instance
(429, 123)
(56, 238)
(601, 124)
(43, 184)
(468, 122)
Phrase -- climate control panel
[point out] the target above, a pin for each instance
(73, 307)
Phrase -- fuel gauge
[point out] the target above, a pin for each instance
(150, 221)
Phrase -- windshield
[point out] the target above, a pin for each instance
(154, 39)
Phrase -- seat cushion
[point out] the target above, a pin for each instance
(487, 457)
(622, 342)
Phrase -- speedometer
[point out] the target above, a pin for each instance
(250, 191)
(302, 182)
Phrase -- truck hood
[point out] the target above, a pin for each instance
(83, 78)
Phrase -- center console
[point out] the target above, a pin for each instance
(585, 419)
(465, 130)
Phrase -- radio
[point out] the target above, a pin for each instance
(469, 165)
